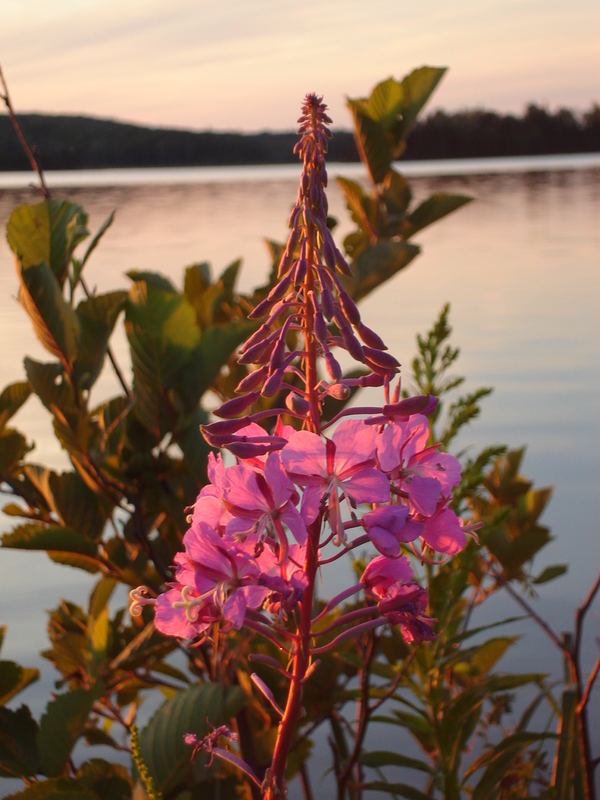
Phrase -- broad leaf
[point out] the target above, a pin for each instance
(431, 210)
(47, 232)
(12, 398)
(97, 316)
(52, 538)
(55, 323)
(58, 789)
(550, 573)
(13, 679)
(375, 145)
(18, 749)
(377, 264)
(61, 726)
(196, 710)
(13, 447)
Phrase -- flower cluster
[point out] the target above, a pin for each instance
(299, 486)
(245, 549)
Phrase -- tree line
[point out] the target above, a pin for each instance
(78, 142)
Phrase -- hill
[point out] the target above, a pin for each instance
(78, 142)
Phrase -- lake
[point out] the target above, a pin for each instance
(520, 267)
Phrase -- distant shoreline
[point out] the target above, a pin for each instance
(163, 176)
(66, 142)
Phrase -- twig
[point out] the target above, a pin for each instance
(37, 168)
(531, 611)
(588, 687)
(31, 156)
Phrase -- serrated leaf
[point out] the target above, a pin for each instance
(431, 210)
(18, 750)
(417, 87)
(164, 338)
(109, 781)
(217, 344)
(196, 710)
(55, 323)
(77, 505)
(47, 232)
(362, 207)
(97, 317)
(51, 538)
(47, 382)
(57, 789)
(377, 264)
(11, 399)
(373, 142)
(13, 447)
(61, 726)
(14, 678)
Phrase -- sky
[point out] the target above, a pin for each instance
(246, 65)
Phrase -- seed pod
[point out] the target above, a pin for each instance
(420, 404)
(297, 404)
(369, 337)
(332, 366)
(237, 405)
(381, 359)
(252, 380)
(339, 391)
(349, 307)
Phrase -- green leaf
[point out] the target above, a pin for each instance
(47, 232)
(57, 789)
(109, 781)
(13, 447)
(499, 759)
(55, 323)
(385, 758)
(48, 383)
(568, 757)
(401, 789)
(79, 265)
(374, 144)
(14, 678)
(61, 726)
(396, 193)
(362, 207)
(488, 654)
(377, 264)
(12, 398)
(97, 317)
(77, 505)
(195, 710)
(18, 749)
(53, 538)
(431, 210)
(550, 573)
(417, 88)
(218, 343)
(164, 338)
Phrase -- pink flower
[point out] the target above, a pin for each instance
(383, 576)
(426, 475)
(407, 608)
(263, 503)
(444, 532)
(344, 464)
(388, 526)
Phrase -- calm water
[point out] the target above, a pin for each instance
(520, 267)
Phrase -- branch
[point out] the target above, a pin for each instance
(31, 156)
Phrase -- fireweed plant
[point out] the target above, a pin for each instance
(259, 528)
